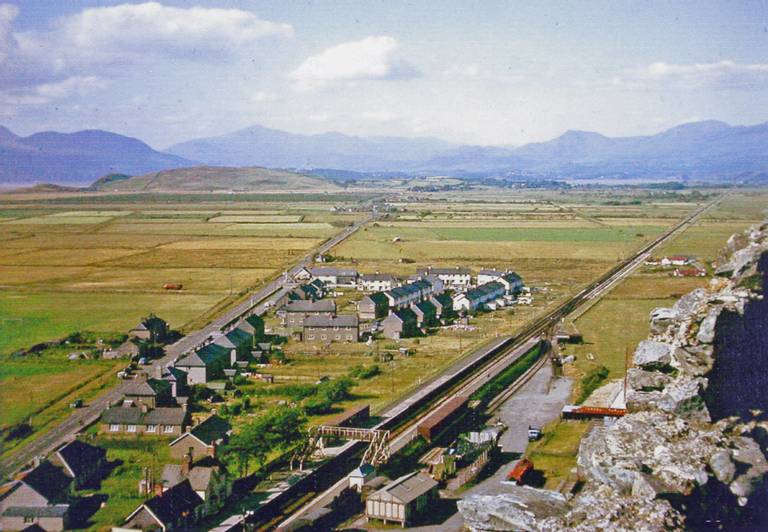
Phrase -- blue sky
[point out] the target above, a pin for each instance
(474, 72)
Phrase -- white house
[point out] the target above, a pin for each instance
(457, 278)
(377, 282)
(474, 299)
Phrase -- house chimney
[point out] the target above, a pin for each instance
(158, 371)
(212, 450)
(186, 465)
(143, 407)
(158, 489)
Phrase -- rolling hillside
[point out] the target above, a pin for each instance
(214, 179)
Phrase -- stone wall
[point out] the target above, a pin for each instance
(671, 463)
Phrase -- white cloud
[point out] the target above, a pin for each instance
(722, 74)
(262, 96)
(151, 24)
(8, 13)
(71, 86)
(111, 38)
(372, 58)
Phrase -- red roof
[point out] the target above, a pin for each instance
(447, 409)
(600, 411)
(519, 471)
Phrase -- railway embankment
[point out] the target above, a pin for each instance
(691, 451)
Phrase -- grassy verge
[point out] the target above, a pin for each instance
(504, 379)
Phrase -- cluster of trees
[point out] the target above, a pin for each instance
(277, 430)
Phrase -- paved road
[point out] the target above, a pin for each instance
(257, 303)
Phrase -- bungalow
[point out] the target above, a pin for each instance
(335, 277)
(377, 282)
(127, 349)
(457, 278)
(474, 299)
(40, 497)
(140, 420)
(208, 478)
(426, 313)
(176, 508)
(203, 439)
(341, 328)
(402, 500)
(150, 328)
(373, 306)
(294, 313)
(80, 461)
(150, 393)
(401, 323)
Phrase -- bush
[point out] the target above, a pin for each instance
(317, 405)
(364, 372)
(591, 381)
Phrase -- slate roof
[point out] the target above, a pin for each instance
(486, 271)
(342, 320)
(378, 277)
(212, 429)
(512, 277)
(204, 356)
(458, 270)
(377, 298)
(409, 487)
(483, 290)
(131, 415)
(54, 510)
(147, 388)
(199, 477)
(174, 502)
(79, 457)
(324, 305)
(333, 272)
(47, 480)
(405, 315)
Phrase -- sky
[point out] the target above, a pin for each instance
(475, 72)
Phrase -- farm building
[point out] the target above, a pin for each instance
(176, 508)
(402, 500)
(341, 328)
(476, 298)
(294, 313)
(128, 349)
(442, 418)
(202, 440)
(457, 278)
(373, 306)
(139, 420)
(335, 277)
(377, 282)
(689, 272)
(676, 260)
(150, 328)
(400, 324)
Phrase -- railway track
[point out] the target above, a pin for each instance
(405, 416)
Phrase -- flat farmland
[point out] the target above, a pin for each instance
(102, 265)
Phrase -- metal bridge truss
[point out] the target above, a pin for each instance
(376, 454)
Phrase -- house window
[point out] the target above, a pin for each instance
(29, 519)
(168, 428)
(151, 428)
(114, 428)
(130, 428)
(323, 336)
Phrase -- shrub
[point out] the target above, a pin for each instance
(591, 381)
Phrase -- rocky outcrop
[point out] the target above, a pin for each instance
(640, 472)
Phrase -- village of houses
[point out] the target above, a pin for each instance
(156, 399)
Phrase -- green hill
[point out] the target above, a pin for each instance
(214, 179)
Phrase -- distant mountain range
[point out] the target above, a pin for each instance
(700, 150)
(76, 158)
